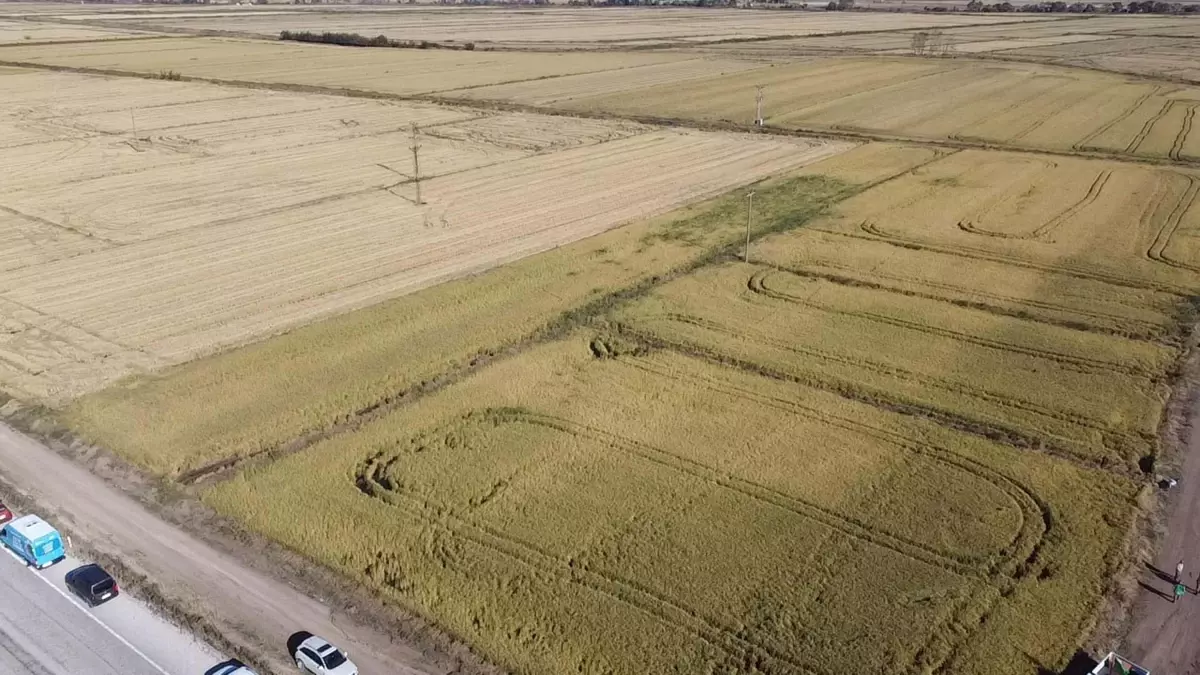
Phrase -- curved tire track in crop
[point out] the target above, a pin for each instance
(1083, 144)
(735, 641)
(1162, 241)
(871, 231)
(1000, 304)
(759, 282)
(1039, 232)
(986, 425)
(1185, 129)
(1140, 138)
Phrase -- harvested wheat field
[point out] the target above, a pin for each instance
(1021, 105)
(1158, 47)
(391, 71)
(14, 32)
(1014, 104)
(560, 28)
(165, 220)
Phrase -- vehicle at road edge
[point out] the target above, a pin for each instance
(5, 514)
(315, 655)
(34, 540)
(93, 584)
(231, 668)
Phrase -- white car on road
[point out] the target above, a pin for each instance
(318, 657)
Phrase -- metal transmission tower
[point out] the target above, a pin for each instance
(416, 146)
(758, 101)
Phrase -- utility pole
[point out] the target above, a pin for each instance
(758, 101)
(133, 124)
(416, 163)
(749, 218)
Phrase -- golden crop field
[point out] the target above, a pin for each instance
(660, 513)
(726, 466)
(166, 423)
(1098, 396)
(1126, 225)
(156, 221)
(621, 397)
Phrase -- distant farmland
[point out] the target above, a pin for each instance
(1020, 105)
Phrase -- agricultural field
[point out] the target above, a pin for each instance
(1022, 105)
(1011, 104)
(390, 71)
(662, 513)
(143, 214)
(567, 499)
(602, 395)
(1142, 45)
(16, 32)
(560, 28)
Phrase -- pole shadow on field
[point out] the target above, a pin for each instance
(294, 640)
(1162, 594)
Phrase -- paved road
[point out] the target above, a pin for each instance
(223, 587)
(46, 631)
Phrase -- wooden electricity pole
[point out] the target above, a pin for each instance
(758, 101)
(416, 163)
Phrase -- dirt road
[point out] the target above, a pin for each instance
(1166, 636)
(219, 585)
